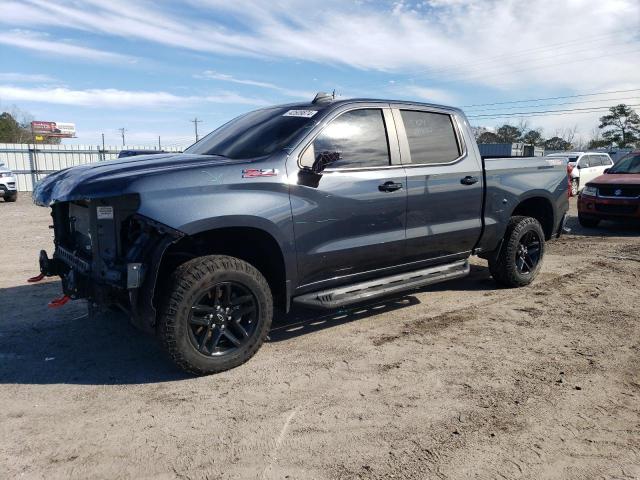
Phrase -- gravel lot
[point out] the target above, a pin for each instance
(460, 380)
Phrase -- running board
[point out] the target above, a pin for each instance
(358, 292)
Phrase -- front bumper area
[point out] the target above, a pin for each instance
(109, 257)
(609, 208)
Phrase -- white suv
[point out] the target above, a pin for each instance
(8, 189)
(584, 167)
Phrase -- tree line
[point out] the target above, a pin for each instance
(620, 128)
(15, 127)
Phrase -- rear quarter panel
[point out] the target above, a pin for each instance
(510, 181)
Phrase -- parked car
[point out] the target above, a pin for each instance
(8, 189)
(584, 167)
(134, 153)
(612, 196)
(323, 204)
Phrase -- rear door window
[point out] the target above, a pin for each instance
(431, 137)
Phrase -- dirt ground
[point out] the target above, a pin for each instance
(459, 380)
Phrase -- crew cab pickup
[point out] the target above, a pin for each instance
(322, 204)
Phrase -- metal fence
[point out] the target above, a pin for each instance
(31, 162)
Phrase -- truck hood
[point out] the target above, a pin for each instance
(617, 179)
(112, 177)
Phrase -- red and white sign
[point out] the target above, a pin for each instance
(54, 129)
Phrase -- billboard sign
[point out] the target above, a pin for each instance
(54, 129)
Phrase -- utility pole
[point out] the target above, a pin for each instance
(159, 144)
(122, 130)
(195, 123)
(103, 142)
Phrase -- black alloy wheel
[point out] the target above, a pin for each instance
(223, 319)
(528, 253)
(216, 314)
(518, 260)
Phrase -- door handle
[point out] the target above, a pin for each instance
(389, 186)
(469, 180)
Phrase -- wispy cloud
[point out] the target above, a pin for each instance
(212, 75)
(15, 77)
(118, 98)
(39, 43)
(433, 95)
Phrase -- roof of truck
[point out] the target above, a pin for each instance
(322, 105)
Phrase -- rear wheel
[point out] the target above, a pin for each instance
(588, 222)
(217, 315)
(519, 259)
(574, 187)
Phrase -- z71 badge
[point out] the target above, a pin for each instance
(259, 172)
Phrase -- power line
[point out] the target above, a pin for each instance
(482, 75)
(546, 112)
(557, 104)
(551, 98)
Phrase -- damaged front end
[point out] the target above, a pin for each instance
(107, 253)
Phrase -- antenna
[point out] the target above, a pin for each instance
(323, 97)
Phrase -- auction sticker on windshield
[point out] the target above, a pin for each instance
(300, 113)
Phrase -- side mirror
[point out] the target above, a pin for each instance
(606, 170)
(324, 159)
(316, 163)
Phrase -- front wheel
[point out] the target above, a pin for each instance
(11, 198)
(217, 314)
(519, 259)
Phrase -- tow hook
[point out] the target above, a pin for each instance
(58, 302)
(35, 279)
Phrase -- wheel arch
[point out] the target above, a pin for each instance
(253, 244)
(540, 208)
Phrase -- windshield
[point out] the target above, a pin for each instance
(255, 134)
(629, 164)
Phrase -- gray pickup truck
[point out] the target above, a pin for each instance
(322, 204)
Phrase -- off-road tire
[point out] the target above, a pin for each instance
(188, 282)
(588, 222)
(502, 265)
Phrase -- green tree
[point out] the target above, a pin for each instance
(533, 137)
(508, 134)
(9, 128)
(488, 137)
(557, 143)
(15, 127)
(622, 126)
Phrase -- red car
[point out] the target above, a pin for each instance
(614, 195)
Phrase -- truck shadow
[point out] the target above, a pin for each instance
(39, 345)
(302, 321)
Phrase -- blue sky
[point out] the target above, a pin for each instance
(151, 67)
